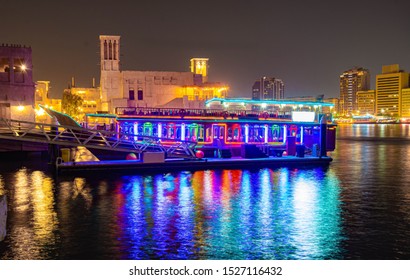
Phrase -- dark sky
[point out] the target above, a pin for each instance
(306, 43)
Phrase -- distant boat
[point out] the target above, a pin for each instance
(366, 119)
(387, 120)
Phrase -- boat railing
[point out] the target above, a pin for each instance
(65, 135)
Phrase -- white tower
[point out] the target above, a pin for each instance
(110, 80)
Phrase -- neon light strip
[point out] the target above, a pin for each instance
(266, 134)
(183, 132)
(270, 102)
(135, 131)
(159, 130)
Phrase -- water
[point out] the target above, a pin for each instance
(358, 208)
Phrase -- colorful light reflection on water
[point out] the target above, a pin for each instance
(213, 214)
(229, 214)
(358, 208)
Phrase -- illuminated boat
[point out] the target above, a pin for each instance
(173, 138)
(225, 139)
(365, 119)
(226, 133)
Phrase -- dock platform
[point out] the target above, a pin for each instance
(189, 164)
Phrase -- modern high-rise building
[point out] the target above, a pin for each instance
(268, 89)
(389, 86)
(352, 81)
(366, 102)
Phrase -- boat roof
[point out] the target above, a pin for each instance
(282, 102)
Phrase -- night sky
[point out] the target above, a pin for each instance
(306, 43)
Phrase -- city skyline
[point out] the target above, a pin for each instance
(308, 45)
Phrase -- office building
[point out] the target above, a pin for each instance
(405, 103)
(365, 102)
(352, 81)
(268, 89)
(389, 86)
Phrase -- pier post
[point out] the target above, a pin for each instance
(3, 216)
(53, 153)
(323, 129)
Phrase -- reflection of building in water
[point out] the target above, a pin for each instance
(3, 214)
(44, 215)
(32, 200)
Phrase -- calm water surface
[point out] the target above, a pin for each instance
(358, 208)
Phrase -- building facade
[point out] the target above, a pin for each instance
(389, 86)
(268, 89)
(16, 83)
(352, 81)
(152, 88)
(42, 97)
(335, 108)
(366, 102)
(405, 103)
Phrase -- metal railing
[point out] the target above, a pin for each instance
(95, 139)
(179, 112)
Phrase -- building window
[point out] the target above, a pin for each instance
(4, 69)
(131, 94)
(19, 69)
(110, 50)
(115, 50)
(140, 94)
(105, 49)
(166, 80)
(4, 65)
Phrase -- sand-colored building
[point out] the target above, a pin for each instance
(16, 83)
(129, 88)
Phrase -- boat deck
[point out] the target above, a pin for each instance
(199, 164)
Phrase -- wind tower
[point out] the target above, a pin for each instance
(110, 70)
(199, 66)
